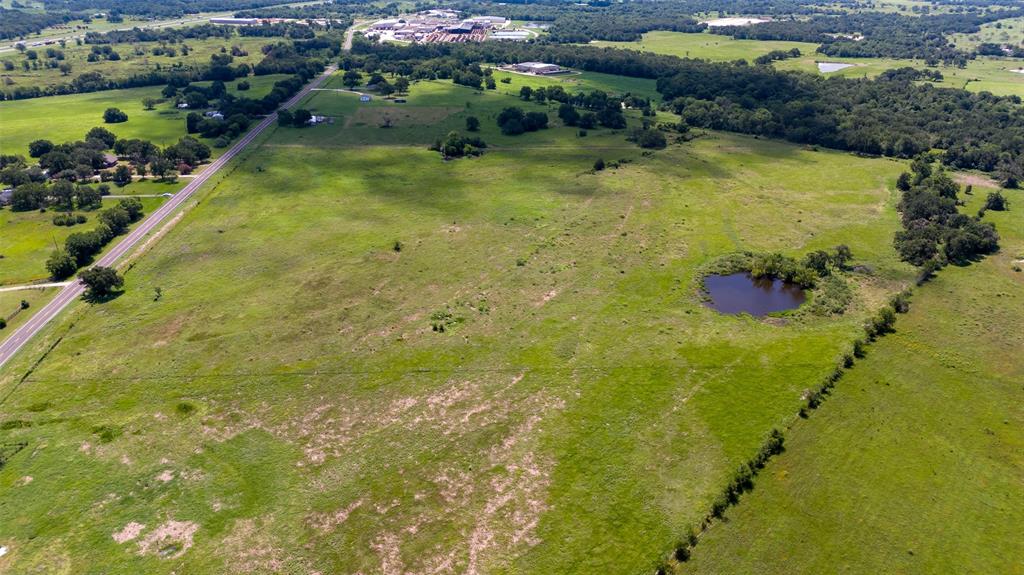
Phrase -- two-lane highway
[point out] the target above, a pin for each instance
(72, 291)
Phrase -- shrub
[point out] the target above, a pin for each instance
(100, 282)
(995, 202)
(114, 116)
(61, 265)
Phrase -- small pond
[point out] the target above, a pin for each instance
(826, 67)
(741, 293)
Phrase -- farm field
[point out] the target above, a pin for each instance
(68, 118)
(708, 46)
(27, 238)
(535, 326)
(914, 464)
(131, 62)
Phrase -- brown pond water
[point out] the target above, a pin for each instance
(741, 293)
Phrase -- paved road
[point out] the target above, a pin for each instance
(73, 290)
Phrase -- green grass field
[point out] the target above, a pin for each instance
(68, 118)
(707, 46)
(289, 405)
(131, 62)
(27, 238)
(914, 464)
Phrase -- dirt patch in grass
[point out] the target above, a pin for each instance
(401, 117)
(170, 539)
(975, 180)
(128, 532)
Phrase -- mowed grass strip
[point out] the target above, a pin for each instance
(366, 358)
(914, 464)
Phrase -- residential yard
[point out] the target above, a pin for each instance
(367, 359)
(28, 238)
(914, 464)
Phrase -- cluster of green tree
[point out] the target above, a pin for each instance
(21, 23)
(513, 121)
(100, 283)
(82, 161)
(1011, 50)
(163, 9)
(55, 58)
(339, 12)
(168, 35)
(295, 58)
(455, 145)
(474, 77)
(298, 119)
(908, 74)
(80, 247)
(621, 22)
(648, 137)
(293, 30)
(875, 34)
(934, 231)
(61, 195)
(69, 219)
(776, 55)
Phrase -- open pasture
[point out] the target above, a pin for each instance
(503, 363)
(914, 464)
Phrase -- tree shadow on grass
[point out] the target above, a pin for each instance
(94, 298)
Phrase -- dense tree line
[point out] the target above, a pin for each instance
(341, 11)
(19, 23)
(163, 9)
(169, 35)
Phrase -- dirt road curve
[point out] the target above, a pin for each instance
(70, 292)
